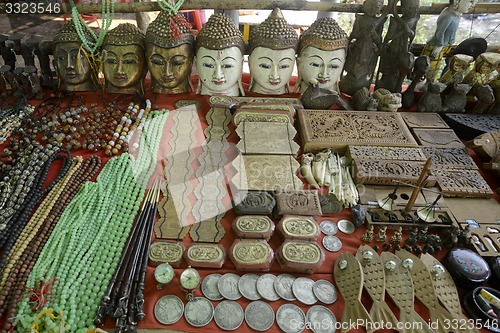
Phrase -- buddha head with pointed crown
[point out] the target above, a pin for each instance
(219, 57)
(170, 53)
(321, 55)
(272, 55)
(124, 60)
(74, 68)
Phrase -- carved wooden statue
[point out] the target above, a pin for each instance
(456, 71)
(420, 69)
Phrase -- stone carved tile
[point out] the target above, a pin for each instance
(462, 183)
(389, 172)
(442, 138)
(302, 202)
(266, 173)
(253, 202)
(267, 138)
(387, 153)
(338, 129)
(261, 116)
(449, 158)
(295, 102)
(425, 120)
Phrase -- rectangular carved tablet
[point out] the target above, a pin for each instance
(462, 183)
(267, 138)
(386, 153)
(442, 138)
(450, 158)
(335, 129)
(301, 202)
(425, 120)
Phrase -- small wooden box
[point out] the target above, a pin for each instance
(166, 251)
(253, 227)
(205, 255)
(251, 255)
(300, 256)
(300, 202)
(298, 227)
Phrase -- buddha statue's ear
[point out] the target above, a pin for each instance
(287, 87)
(296, 88)
(240, 86)
(198, 88)
(251, 82)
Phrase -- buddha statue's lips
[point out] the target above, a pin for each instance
(218, 82)
(167, 79)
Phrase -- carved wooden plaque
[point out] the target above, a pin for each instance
(298, 227)
(300, 256)
(267, 138)
(424, 120)
(253, 226)
(449, 158)
(168, 225)
(266, 173)
(301, 202)
(162, 251)
(335, 129)
(389, 172)
(295, 102)
(209, 231)
(205, 255)
(251, 255)
(269, 107)
(261, 116)
(253, 202)
(462, 183)
(468, 126)
(386, 153)
(441, 138)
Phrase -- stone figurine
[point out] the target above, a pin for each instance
(75, 70)
(387, 101)
(365, 42)
(272, 55)
(382, 234)
(455, 98)
(456, 71)
(484, 66)
(170, 53)
(362, 100)
(321, 55)
(420, 69)
(444, 35)
(396, 59)
(431, 100)
(219, 57)
(124, 60)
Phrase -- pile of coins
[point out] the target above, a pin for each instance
(329, 228)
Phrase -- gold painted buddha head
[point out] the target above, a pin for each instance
(124, 60)
(73, 66)
(170, 53)
(272, 55)
(219, 57)
(321, 55)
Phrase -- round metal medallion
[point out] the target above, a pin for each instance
(325, 292)
(228, 315)
(209, 287)
(346, 226)
(283, 286)
(332, 243)
(247, 286)
(321, 320)
(259, 316)
(228, 286)
(199, 312)
(265, 287)
(169, 309)
(328, 227)
(303, 290)
(290, 318)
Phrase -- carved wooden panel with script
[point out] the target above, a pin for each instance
(462, 183)
(442, 138)
(450, 158)
(387, 153)
(389, 172)
(334, 129)
(425, 120)
(267, 138)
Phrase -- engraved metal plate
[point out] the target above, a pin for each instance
(303, 290)
(426, 120)
(166, 252)
(449, 158)
(283, 286)
(205, 255)
(265, 287)
(331, 243)
(267, 138)
(325, 292)
(228, 315)
(247, 286)
(290, 318)
(386, 153)
(259, 316)
(321, 319)
(303, 202)
(441, 138)
(251, 254)
(199, 312)
(298, 227)
(209, 287)
(253, 202)
(253, 226)
(337, 130)
(228, 286)
(328, 227)
(169, 309)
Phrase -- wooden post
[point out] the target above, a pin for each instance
(420, 181)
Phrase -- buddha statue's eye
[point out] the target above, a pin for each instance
(314, 64)
(111, 61)
(207, 65)
(333, 66)
(227, 66)
(284, 66)
(266, 66)
(129, 62)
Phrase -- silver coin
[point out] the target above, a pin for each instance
(290, 318)
(332, 243)
(199, 312)
(248, 286)
(328, 227)
(325, 292)
(259, 316)
(209, 287)
(321, 320)
(228, 286)
(303, 290)
(346, 226)
(169, 309)
(283, 286)
(228, 315)
(265, 287)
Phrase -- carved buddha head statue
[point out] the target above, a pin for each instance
(219, 57)
(73, 68)
(321, 55)
(272, 55)
(124, 60)
(170, 53)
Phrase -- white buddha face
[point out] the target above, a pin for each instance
(219, 70)
(324, 66)
(271, 69)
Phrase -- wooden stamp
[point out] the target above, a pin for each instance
(205, 255)
(441, 138)
(300, 202)
(253, 227)
(300, 256)
(251, 255)
(253, 202)
(166, 251)
(298, 227)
